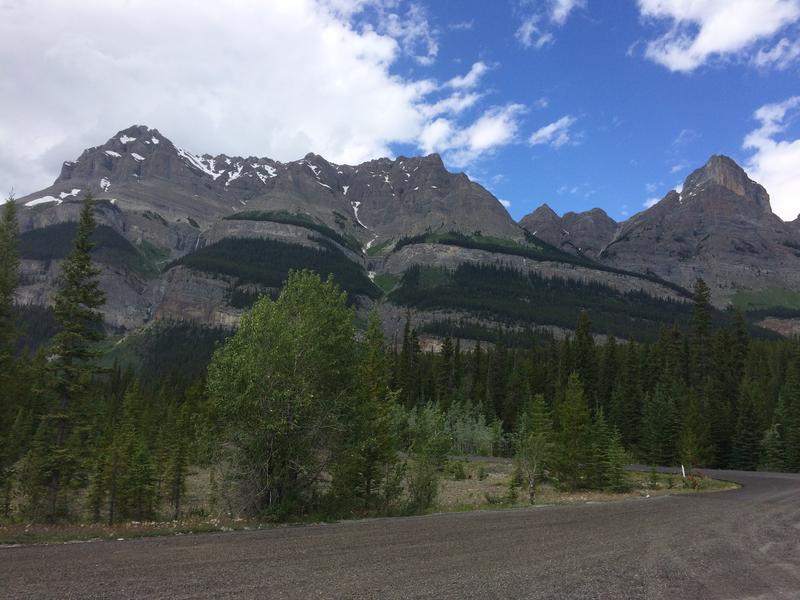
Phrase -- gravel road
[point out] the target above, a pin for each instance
(736, 544)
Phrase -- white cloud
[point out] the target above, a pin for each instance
(556, 133)
(780, 56)
(498, 126)
(701, 30)
(412, 30)
(561, 9)
(534, 30)
(506, 203)
(276, 79)
(776, 162)
(471, 79)
(650, 202)
(531, 36)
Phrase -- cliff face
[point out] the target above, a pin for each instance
(185, 236)
(719, 227)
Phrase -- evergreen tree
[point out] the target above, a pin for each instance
(614, 460)
(367, 455)
(11, 439)
(693, 443)
(574, 436)
(773, 452)
(73, 352)
(700, 331)
(747, 439)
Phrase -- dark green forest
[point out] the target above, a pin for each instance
(299, 413)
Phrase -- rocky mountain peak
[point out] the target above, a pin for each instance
(724, 172)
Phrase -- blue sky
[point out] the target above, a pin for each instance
(576, 103)
(639, 128)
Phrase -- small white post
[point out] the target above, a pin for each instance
(683, 471)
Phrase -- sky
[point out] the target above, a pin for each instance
(573, 103)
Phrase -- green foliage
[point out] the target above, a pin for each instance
(54, 242)
(534, 445)
(268, 262)
(73, 354)
(280, 386)
(365, 469)
(574, 437)
(300, 220)
(428, 448)
(535, 249)
(501, 293)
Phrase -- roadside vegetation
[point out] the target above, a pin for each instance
(300, 418)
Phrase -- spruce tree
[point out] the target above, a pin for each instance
(574, 436)
(73, 352)
(747, 439)
(367, 452)
(773, 451)
(11, 441)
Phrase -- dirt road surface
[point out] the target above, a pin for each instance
(736, 544)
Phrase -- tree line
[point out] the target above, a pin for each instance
(299, 413)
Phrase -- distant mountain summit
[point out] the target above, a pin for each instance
(720, 227)
(383, 198)
(185, 236)
(585, 233)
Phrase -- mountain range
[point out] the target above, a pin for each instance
(194, 237)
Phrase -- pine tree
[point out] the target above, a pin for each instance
(693, 444)
(73, 353)
(177, 465)
(367, 453)
(773, 451)
(790, 417)
(574, 437)
(585, 359)
(701, 331)
(746, 441)
(614, 461)
(11, 442)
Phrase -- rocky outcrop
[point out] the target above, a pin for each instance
(719, 227)
(585, 233)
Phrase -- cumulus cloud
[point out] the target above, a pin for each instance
(700, 31)
(775, 162)
(506, 203)
(555, 134)
(276, 79)
(496, 127)
(535, 30)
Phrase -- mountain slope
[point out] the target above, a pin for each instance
(199, 237)
(719, 227)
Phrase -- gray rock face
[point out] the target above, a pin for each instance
(720, 227)
(168, 202)
(585, 233)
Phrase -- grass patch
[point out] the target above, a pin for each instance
(764, 300)
(387, 281)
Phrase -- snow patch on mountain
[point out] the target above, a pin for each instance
(43, 200)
